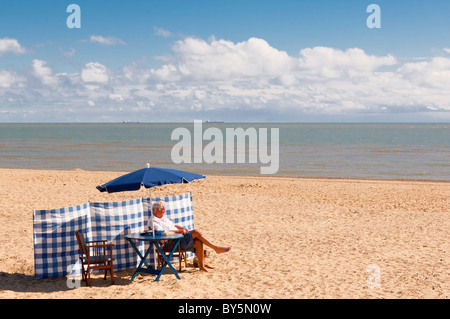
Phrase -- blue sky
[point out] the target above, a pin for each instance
(224, 60)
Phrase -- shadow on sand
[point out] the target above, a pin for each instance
(28, 284)
(22, 283)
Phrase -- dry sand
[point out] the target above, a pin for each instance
(291, 237)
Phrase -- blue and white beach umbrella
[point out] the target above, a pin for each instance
(148, 177)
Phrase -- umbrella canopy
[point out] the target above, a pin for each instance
(148, 177)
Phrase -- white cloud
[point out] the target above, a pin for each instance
(43, 72)
(69, 53)
(116, 97)
(167, 72)
(433, 73)
(253, 75)
(106, 40)
(225, 60)
(8, 45)
(95, 72)
(233, 79)
(135, 73)
(162, 32)
(10, 79)
(326, 62)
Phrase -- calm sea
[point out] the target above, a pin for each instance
(376, 151)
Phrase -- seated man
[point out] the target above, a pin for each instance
(192, 239)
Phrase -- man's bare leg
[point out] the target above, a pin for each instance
(218, 249)
(199, 252)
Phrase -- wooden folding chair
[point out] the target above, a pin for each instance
(181, 254)
(93, 255)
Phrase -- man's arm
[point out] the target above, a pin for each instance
(180, 230)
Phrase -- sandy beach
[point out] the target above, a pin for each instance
(290, 237)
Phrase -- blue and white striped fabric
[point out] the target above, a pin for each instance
(112, 222)
(56, 251)
(55, 245)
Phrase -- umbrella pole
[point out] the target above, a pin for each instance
(153, 229)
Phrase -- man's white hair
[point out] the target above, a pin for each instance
(159, 204)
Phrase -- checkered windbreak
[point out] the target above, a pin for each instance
(56, 251)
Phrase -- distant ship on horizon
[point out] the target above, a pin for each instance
(130, 122)
(208, 121)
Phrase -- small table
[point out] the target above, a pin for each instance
(153, 240)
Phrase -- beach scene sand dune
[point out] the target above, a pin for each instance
(290, 237)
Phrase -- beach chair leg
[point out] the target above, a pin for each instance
(112, 275)
(84, 274)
